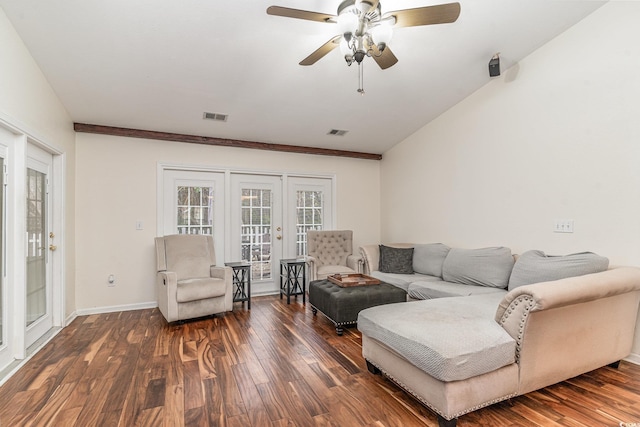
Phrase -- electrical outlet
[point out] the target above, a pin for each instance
(563, 226)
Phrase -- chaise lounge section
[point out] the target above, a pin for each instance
(456, 354)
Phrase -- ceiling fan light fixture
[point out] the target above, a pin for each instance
(381, 35)
(348, 21)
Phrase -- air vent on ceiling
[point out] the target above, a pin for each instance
(215, 116)
(337, 132)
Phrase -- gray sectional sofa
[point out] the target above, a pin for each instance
(483, 325)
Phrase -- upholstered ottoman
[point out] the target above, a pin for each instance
(342, 305)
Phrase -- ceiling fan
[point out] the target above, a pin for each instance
(365, 31)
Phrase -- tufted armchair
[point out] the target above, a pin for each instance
(331, 252)
(189, 283)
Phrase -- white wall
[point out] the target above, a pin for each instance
(557, 136)
(28, 104)
(116, 186)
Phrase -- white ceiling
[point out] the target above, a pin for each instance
(159, 64)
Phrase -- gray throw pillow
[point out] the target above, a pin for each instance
(480, 267)
(536, 266)
(428, 258)
(396, 260)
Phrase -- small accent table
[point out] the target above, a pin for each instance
(241, 281)
(293, 277)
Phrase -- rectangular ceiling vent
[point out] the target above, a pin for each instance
(337, 132)
(215, 116)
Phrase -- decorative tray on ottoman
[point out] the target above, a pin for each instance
(355, 279)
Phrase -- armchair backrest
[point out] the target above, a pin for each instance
(188, 255)
(330, 247)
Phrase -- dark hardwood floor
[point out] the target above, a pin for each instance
(275, 365)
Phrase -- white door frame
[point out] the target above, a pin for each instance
(16, 228)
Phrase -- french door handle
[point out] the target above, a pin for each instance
(52, 248)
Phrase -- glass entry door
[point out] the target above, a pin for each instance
(38, 236)
(256, 227)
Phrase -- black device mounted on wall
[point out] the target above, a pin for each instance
(494, 66)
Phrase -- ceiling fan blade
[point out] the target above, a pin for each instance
(428, 15)
(384, 60)
(321, 51)
(300, 14)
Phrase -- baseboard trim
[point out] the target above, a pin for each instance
(70, 318)
(633, 358)
(114, 308)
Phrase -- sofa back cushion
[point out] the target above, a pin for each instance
(396, 260)
(483, 267)
(536, 266)
(428, 258)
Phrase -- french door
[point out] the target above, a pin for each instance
(270, 216)
(39, 233)
(257, 227)
(255, 217)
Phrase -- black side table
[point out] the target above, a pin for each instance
(293, 277)
(241, 281)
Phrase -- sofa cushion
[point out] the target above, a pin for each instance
(442, 289)
(536, 266)
(396, 260)
(428, 258)
(450, 339)
(403, 281)
(484, 266)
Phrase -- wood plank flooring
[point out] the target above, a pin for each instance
(274, 365)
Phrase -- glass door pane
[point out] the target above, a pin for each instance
(195, 210)
(309, 216)
(193, 203)
(255, 231)
(311, 206)
(36, 245)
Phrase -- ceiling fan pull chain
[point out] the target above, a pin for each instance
(361, 78)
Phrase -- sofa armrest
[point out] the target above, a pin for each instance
(370, 255)
(355, 263)
(313, 268)
(567, 327)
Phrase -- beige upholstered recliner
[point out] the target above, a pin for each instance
(188, 281)
(331, 252)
